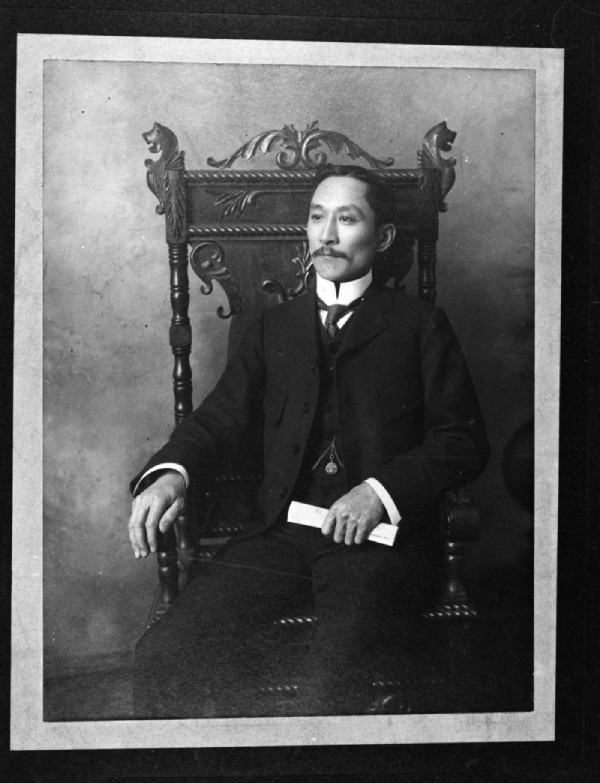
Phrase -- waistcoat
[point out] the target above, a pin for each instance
(316, 485)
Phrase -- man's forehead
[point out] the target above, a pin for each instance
(341, 191)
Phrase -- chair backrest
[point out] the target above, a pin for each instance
(245, 228)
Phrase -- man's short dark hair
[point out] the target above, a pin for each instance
(379, 197)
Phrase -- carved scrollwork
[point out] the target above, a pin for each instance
(207, 262)
(303, 263)
(437, 140)
(165, 178)
(276, 288)
(234, 203)
(300, 148)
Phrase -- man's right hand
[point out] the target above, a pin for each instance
(156, 508)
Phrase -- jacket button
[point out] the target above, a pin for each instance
(306, 407)
(313, 367)
(295, 449)
(283, 492)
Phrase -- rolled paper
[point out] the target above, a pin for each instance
(314, 516)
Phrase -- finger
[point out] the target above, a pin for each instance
(170, 515)
(362, 533)
(340, 527)
(152, 521)
(137, 532)
(132, 540)
(350, 531)
(328, 525)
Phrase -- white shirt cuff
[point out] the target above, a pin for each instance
(165, 466)
(384, 496)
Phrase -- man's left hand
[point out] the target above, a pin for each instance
(351, 518)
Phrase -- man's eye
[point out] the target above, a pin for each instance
(347, 219)
(315, 217)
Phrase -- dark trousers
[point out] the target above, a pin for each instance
(212, 651)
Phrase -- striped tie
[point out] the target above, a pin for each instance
(335, 312)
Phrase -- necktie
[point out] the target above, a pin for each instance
(335, 312)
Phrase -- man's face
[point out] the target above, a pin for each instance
(343, 235)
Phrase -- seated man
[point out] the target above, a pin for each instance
(369, 411)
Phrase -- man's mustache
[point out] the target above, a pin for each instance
(328, 252)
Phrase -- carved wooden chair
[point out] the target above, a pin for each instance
(245, 229)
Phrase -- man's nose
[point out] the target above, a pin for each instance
(329, 235)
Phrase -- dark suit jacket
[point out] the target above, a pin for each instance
(408, 413)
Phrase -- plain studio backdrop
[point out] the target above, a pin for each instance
(107, 363)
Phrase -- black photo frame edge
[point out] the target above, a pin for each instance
(575, 750)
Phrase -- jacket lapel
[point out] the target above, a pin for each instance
(301, 330)
(300, 333)
(369, 320)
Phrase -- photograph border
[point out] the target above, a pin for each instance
(28, 730)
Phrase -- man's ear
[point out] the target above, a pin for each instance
(387, 233)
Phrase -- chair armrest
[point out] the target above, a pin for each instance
(460, 519)
(459, 522)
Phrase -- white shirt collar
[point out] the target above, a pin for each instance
(349, 291)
